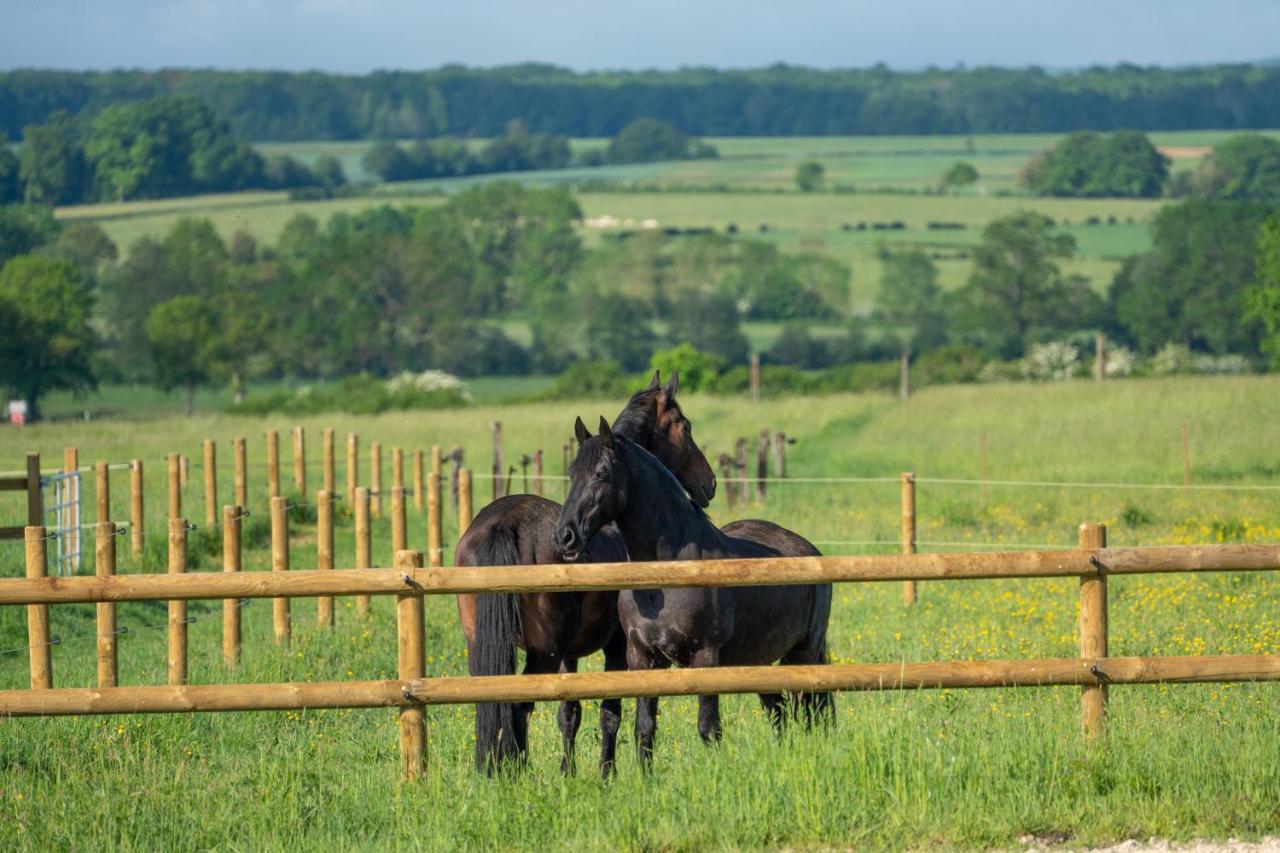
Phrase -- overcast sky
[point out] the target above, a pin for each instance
(361, 35)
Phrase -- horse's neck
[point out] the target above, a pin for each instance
(659, 523)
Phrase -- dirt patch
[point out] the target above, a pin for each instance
(1053, 841)
(1181, 152)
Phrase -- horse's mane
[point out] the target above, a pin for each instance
(635, 422)
(648, 459)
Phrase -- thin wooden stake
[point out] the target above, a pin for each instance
(1099, 357)
(242, 472)
(537, 472)
(35, 503)
(104, 563)
(273, 464)
(137, 523)
(210, 482)
(762, 464)
(419, 481)
(1093, 634)
(353, 466)
(177, 609)
(904, 375)
(299, 460)
(71, 514)
(330, 479)
(397, 468)
(412, 664)
(280, 563)
(755, 377)
(375, 479)
(184, 468)
(175, 486)
(102, 479)
(324, 553)
(908, 531)
(231, 563)
(364, 549)
(399, 529)
(40, 651)
(435, 548)
(464, 500)
(779, 455)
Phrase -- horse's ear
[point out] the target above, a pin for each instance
(580, 430)
(673, 385)
(655, 382)
(606, 434)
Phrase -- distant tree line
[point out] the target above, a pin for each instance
(165, 146)
(1126, 164)
(776, 101)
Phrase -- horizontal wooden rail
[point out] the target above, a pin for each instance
(12, 532)
(676, 682)
(13, 484)
(598, 576)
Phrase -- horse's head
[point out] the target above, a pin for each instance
(597, 491)
(653, 420)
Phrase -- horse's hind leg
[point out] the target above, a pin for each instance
(709, 705)
(615, 658)
(774, 705)
(570, 719)
(646, 708)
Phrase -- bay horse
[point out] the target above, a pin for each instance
(613, 480)
(556, 629)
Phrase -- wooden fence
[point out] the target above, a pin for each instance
(411, 691)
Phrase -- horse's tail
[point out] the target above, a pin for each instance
(501, 728)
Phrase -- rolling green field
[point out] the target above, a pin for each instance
(760, 171)
(953, 768)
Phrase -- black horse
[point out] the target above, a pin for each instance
(556, 629)
(614, 480)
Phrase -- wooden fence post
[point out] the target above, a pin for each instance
(726, 479)
(754, 377)
(41, 653)
(437, 461)
(497, 460)
(399, 530)
(1093, 634)
(353, 466)
(210, 483)
(435, 547)
(273, 464)
(364, 555)
(71, 465)
(464, 501)
(137, 523)
(740, 466)
(904, 375)
(1099, 357)
(102, 477)
(412, 664)
(375, 479)
(397, 468)
(35, 502)
(177, 608)
(175, 486)
(779, 455)
(324, 553)
(242, 472)
(330, 480)
(280, 563)
(908, 531)
(104, 564)
(419, 481)
(299, 460)
(184, 469)
(231, 516)
(762, 464)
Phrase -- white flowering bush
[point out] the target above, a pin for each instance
(1054, 361)
(1171, 360)
(427, 380)
(1120, 362)
(1221, 365)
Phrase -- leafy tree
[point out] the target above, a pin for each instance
(388, 161)
(328, 171)
(1262, 300)
(45, 338)
(282, 172)
(960, 175)
(1189, 288)
(709, 323)
(910, 296)
(86, 245)
(24, 228)
(618, 330)
(51, 162)
(697, 370)
(1244, 166)
(181, 333)
(810, 176)
(797, 347)
(648, 140)
(1090, 164)
(10, 185)
(1017, 293)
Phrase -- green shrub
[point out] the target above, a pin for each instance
(357, 395)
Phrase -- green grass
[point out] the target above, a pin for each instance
(953, 768)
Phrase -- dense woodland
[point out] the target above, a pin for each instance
(779, 100)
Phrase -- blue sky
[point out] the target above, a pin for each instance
(361, 35)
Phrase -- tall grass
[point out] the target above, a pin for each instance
(963, 768)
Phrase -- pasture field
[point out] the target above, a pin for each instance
(954, 768)
(887, 171)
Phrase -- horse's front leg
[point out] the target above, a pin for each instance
(708, 706)
(615, 659)
(646, 706)
(570, 720)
